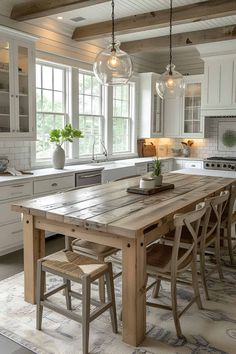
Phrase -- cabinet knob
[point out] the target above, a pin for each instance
(12, 96)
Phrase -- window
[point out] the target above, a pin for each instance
(91, 119)
(122, 119)
(51, 105)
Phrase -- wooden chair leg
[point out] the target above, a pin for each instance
(39, 294)
(229, 241)
(217, 255)
(67, 294)
(101, 285)
(111, 297)
(86, 285)
(156, 289)
(195, 285)
(203, 274)
(175, 307)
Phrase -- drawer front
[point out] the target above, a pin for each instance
(11, 235)
(54, 184)
(16, 190)
(7, 216)
(193, 164)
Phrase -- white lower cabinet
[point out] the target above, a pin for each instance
(180, 164)
(51, 185)
(11, 228)
(116, 173)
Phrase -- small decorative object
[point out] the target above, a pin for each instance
(59, 136)
(187, 147)
(147, 183)
(156, 173)
(227, 136)
(176, 151)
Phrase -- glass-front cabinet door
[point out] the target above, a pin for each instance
(192, 120)
(17, 93)
(5, 108)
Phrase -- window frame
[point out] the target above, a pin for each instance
(72, 106)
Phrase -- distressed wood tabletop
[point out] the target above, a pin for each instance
(110, 208)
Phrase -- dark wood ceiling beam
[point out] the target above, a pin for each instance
(158, 19)
(181, 39)
(41, 8)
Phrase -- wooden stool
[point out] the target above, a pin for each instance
(80, 269)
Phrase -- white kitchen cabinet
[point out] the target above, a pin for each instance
(192, 121)
(182, 116)
(172, 117)
(150, 105)
(180, 164)
(112, 174)
(54, 184)
(11, 228)
(220, 82)
(17, 85)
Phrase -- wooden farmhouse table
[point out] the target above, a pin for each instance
(109, 215)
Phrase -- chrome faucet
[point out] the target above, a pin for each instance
(105, 153)
(93, 149)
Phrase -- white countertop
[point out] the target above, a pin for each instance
(205, 172)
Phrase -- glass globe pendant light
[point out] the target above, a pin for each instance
(171, 84)
(113, 66)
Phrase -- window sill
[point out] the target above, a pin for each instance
(86, 160)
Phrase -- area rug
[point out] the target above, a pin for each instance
(212, 330)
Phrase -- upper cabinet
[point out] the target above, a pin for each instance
(17, 85)
(182, 116)
(192, 122)
(219, 85)
(150, 116)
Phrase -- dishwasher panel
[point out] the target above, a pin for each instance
(86, 179)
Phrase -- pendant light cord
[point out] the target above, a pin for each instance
(170, 70)
(113, 25)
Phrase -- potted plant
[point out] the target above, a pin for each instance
(59, 136)
(156, 173)
(187, 147)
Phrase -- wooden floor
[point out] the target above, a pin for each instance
(11, 264)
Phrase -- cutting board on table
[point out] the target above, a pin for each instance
(149, 191)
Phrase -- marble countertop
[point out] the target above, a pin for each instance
(205, 172)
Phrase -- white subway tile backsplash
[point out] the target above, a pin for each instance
(18, 153)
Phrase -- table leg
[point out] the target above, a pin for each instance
(34, 248)
(134, 291)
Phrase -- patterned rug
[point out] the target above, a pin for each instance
(212, 330)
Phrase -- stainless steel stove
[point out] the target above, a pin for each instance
(220, 163)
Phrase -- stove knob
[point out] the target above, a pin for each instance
(212, 165)
(218, 165)
(233, 167)
(229, 166)
(207, 165)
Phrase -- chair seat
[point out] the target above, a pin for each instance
(92, 248)
(187, 238)
(74, 265)
(159, 258)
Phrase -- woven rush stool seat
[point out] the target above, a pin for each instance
(97, 251)
(92, 248)
(81, 269)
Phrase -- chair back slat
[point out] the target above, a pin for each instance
(217, 205)
(191, 221)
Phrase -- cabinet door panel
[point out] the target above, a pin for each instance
(173, 113)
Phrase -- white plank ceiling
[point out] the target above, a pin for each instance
(187, 60)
